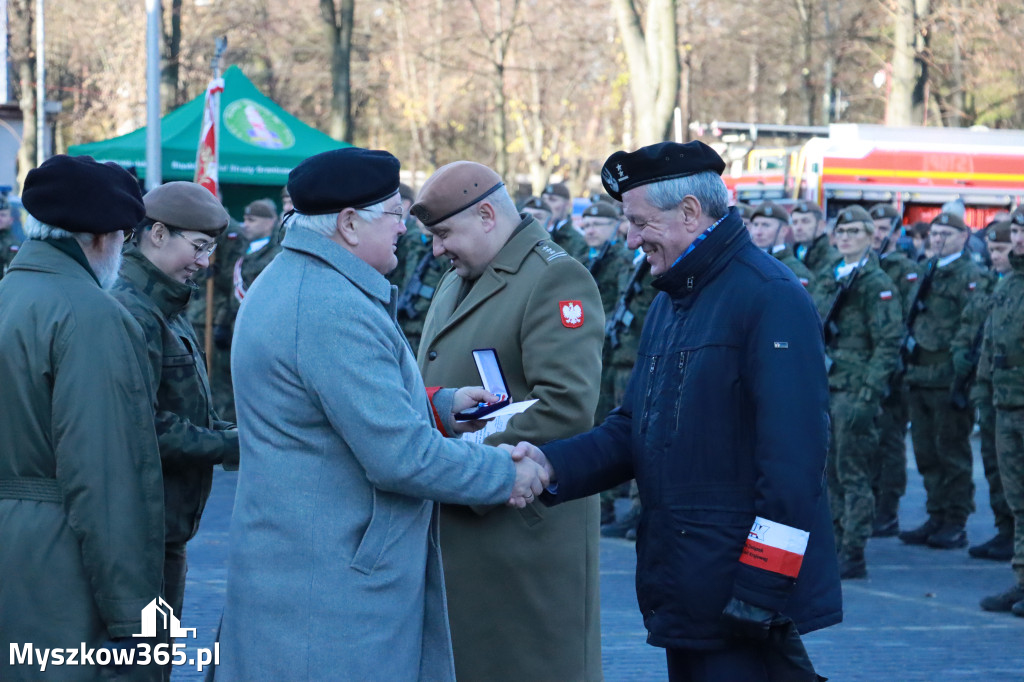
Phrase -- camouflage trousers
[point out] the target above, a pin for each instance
(1010, 450)
(221, 386)
(889, 481)
(990, 460)
(852, 459)
(942, 448)
(613, 388)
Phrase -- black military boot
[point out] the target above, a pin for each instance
(888, 527)
(920, 535)
(949, 536)
(1005, 602)
(852, 564)
(999, 548)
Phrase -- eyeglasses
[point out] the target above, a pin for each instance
(202, 249)
(129, 234)
(398, 215)
(848, 231)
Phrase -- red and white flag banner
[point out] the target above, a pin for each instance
(207, 156)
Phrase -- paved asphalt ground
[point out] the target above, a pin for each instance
(916, 617)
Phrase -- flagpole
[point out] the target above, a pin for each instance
(154, 159)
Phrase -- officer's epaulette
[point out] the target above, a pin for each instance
(548, 250)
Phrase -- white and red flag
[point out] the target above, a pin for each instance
(208, 154)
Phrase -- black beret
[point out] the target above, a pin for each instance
(767, 209)
(78, 194)
(537, 204)
(856, 214)
(186, 206)
(663, 161)
(808, 207)
(948, 219)
(343, 178)
(879, 211)
(601, 209)
(557, 189)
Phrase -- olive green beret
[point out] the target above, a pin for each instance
(557, 189)
(856, 214)
(808, 207)
(767, 209)
(186, 205)
(949, 220)
(879, 211)
(998, 232)
(600, 209)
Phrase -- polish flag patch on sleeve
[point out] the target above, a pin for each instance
(572, 313)
(911, 276)
(885, 295)
(775, 547)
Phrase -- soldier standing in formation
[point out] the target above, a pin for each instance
(863, 327)
(173, 242)
(999, 547)
(890, 478)
(1001, 375)
(563, 233)
(770, 230)
(418, 273)
(812, 244)
(940, 430)
(9, 242)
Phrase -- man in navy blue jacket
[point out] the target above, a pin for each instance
(725, 427)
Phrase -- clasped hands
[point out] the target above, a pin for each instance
(533, 471)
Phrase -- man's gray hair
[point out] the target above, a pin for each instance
(326, 223)
(708, 188)
(34, 229)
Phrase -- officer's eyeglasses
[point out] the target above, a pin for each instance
(848, 231)
(398, 215)
(202, 249)
(129, 234)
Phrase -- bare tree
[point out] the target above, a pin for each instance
(21, 45)
(338, 25)
(169, 55)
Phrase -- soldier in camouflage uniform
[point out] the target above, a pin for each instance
(9, 244)
(174, 242)
(1000, 547)
(746, 212)
(1001, 373)
(890, 479)
(557, 196)
(770, 230)
(416, 277)
(812, 245)
(862, 341)
(262, 234)
(940, 430)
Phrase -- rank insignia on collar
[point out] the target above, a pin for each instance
(572, 313)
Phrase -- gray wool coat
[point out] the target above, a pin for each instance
(334, 568)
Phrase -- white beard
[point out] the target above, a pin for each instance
(108, 266)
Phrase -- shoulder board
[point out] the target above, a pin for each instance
(549, 251)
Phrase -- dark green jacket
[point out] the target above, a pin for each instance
(608, 266)
(192, 439)
(1001, 367)
(819, 255)
(9, 246)
(865, 351)
(802, 272)
(77, 419)
(571, 241)
(944, 328)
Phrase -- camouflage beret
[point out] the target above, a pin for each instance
(537, 204)
(767, 209)
(880, 211)
(557, 189)
(600, 209)
(998, 232)
(623, 171)
(188, 206)
(808, 207)
(948, 219)
(856, 214)
(452, 189)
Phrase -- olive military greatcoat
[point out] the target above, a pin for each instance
(523, 595)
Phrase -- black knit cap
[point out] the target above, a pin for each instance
(78, 194)
(663, 161)
(343, 178)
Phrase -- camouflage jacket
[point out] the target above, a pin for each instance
(412, 305)
(1001, 366)
(231, 244)
(9, 246)
(633, 320)
(569, 238)
(192, 440)
(818, 256)
(802, 272)
(903, 272)
(944, 328)
(870, 323)
(608, 266)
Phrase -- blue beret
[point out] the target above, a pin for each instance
(343, 178)
(78, 194)
(663, 161)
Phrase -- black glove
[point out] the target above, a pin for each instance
(222, 337)
(743, 619)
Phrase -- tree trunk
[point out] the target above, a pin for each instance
(170, 56)
(21, 46)
(901, 106)
(338, 26)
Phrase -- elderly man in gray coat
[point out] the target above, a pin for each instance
(334, 569)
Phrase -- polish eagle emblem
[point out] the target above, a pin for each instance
(572, 313)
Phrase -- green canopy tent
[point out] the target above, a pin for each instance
(259, 143)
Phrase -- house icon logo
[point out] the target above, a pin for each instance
(158, 611)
